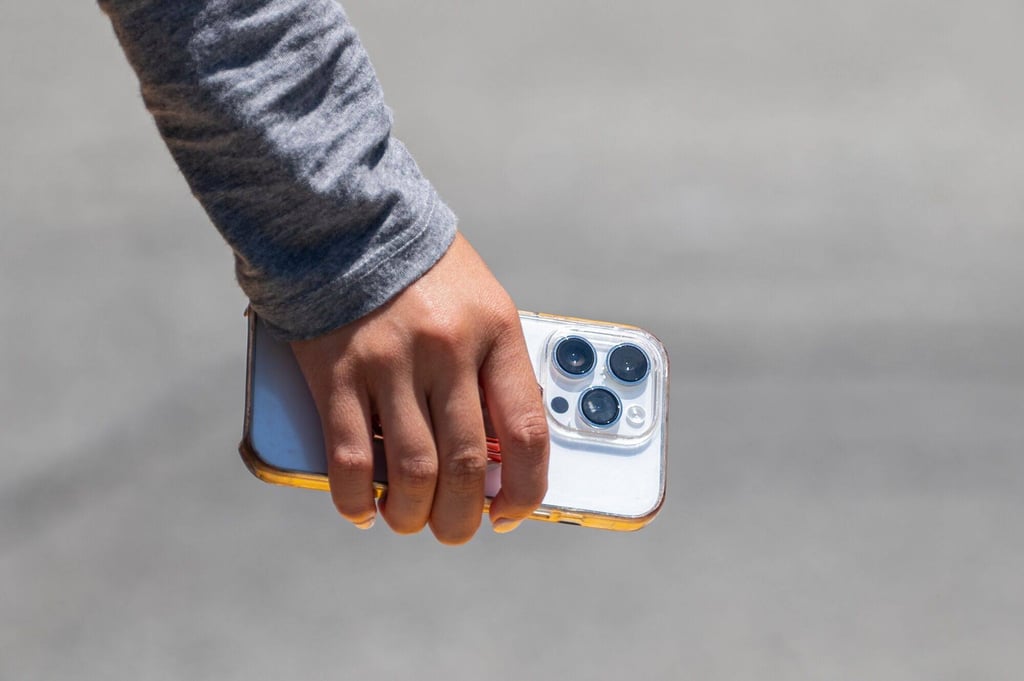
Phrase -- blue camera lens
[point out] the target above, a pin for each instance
(600, 407)
(575, 356)
(628, 363)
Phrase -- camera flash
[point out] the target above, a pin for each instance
(635, 415)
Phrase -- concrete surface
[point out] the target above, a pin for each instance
(816, 205)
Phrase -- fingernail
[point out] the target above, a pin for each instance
(366, 524)
(504, 525)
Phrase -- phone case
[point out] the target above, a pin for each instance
(607, 465)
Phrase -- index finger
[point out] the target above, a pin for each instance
(517, 413)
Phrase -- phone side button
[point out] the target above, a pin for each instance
(570, 519)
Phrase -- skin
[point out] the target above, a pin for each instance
(419, 363)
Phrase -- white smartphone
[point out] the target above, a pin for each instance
(605, 389)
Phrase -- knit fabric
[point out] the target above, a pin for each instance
(275, 116)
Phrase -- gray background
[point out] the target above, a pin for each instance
(816, 205)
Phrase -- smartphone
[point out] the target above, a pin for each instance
(605, 391)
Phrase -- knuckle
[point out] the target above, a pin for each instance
(466, 468)
(382, 359)
(506, 315)
(529, 442)
(349, 464)
(528, 437)
(443, 336)
(348, 460)
(415, 475)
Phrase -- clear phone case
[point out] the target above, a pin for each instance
(605, 390)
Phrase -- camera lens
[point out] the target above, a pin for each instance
(628, 363)
(600, 406)
(574, 355)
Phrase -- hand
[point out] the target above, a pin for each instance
(418, 364)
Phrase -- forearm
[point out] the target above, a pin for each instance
(275, 117)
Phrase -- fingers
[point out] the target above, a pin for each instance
(411, 456)
(343, 405)
(348, 442)
(423, 356)
(462, 458)
(517, 413)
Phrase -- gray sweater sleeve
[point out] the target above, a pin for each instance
(276, 118)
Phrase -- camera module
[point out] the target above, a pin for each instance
(628, 363)
(574, 356)
(600, 407)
